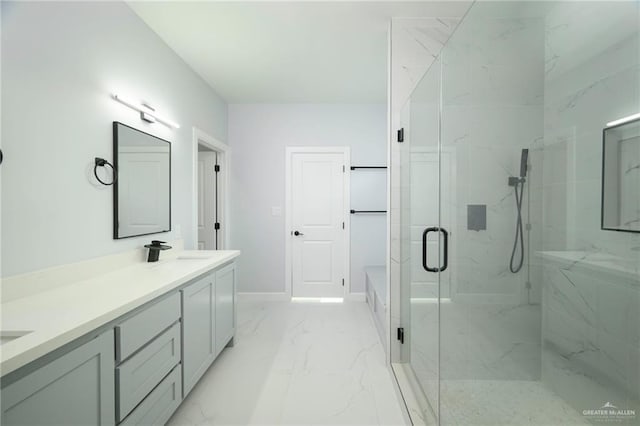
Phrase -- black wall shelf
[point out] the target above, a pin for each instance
(367, 211)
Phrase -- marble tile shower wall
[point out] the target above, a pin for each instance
(591, 321)
(493, 97)
(493, 78)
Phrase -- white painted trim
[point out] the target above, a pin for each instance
(355, 297)
(264, 297)
(346, 152)
(287, 223)
(224, 160)
(387, 314)
(347, 220)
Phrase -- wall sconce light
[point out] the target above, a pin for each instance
(147, 113)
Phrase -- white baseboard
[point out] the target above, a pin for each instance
(264, 297)
(284, 297)
(355, 297)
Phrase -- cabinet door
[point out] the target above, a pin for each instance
(198, 316)
(225, 306)
(157, 408)
(75, 389)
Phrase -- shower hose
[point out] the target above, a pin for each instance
(519, 232)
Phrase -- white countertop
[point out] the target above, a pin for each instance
(61, 315)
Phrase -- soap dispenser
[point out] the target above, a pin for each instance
(154, 250)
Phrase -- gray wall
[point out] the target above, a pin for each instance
(258, 135)
(60, 63)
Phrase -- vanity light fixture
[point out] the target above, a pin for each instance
(623, 120)
(147, 113)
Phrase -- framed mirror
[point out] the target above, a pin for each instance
(621, 177)
(142, 191)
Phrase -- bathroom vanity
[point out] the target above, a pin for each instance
(121, 347)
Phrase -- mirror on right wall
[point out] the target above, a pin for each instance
(621, 177)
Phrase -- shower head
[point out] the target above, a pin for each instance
(515, 181)
(523, 163)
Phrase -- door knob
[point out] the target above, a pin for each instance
(296, 233)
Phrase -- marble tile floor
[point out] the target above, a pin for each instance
(297, 364)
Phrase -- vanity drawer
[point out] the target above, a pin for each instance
(135, 332)
(158, 407)
(137, 376)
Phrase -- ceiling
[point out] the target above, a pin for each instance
(287, 52)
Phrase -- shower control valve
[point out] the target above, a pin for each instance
(513, 181)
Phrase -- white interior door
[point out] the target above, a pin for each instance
(318, 216)
(207, 200)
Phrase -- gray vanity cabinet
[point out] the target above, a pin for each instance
(208, 322)
(138, 368)
(225, 306)
(74, 389)
(158, 407)
(198, 329)
(146, 352)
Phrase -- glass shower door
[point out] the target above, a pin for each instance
(533, 332)
(534, 316)
(491, 131)
(421, 242)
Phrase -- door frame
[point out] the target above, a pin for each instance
(288, 263)
(224, 160)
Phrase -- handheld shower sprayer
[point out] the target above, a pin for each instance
(515, 180)
(519, 182)
(524, 158)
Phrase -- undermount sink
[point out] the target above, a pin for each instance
(7, 336)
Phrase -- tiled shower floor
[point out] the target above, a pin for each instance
(499, 346)
(501, 402)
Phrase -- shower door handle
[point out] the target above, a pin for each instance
(424, 249)
(445, 249)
